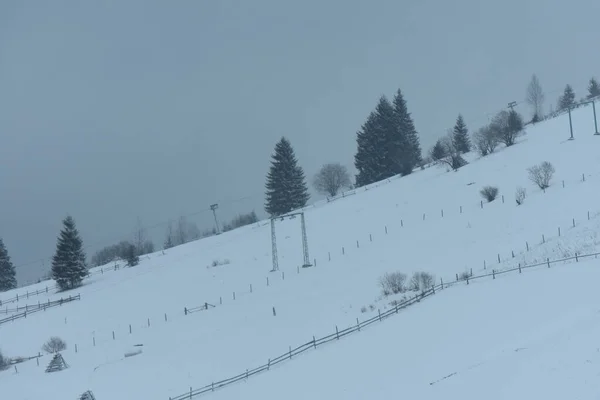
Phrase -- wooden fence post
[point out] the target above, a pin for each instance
(185, 310)
(494, 273)
(576, 258)
(357, 324)
(343, 251)
(250, 288)
(234, 295)
(442, 213)
(559, 231)
(337, 333)
(498, 258)
(519, 267)
(386, 230)
(94, 340)
(482, 204)
(402, 223)
(165, 317)
(527, 245)
(148, 322)
(290, 352)
(130, 329)
(548, 263)
(543, 238)
(461, 209)
(573, 222)
(221, 300)
(113, 335)
(357, 245)
(513, 253)
(423, 216)
(314, 342)
(329, 255)
(283, 275)
(379, 311)
(267, 281)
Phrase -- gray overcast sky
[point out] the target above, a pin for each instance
(110, 110)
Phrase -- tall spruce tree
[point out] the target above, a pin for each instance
(68, 264)
(409, 146)
(286, 184)
(593, 89)
(389, 146)
(8, 275)
(460, 136)
(567, 100)
(368, 159)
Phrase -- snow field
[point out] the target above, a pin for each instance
(211, 345)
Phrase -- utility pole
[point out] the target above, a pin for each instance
(570, 125)
(595, 120)
(214, 207)
(512, 105)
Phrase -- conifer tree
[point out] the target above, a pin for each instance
(131, 256)
(68, 264)
(567, 100)
(460, 136)
(408, 138)
(286, 184)
(593, 89)
(367, 159)
(390, 146)
(8, 274)
(438, 151)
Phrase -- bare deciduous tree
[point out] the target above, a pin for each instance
(331, 178)
(507, 126)
(453, 157)
(181, 231)
(485, 140)
(535, 97)
(54, 345)
(421, 281)
(541, 174)
(139, 236)
(392, 283)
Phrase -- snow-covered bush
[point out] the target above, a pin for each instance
(392, 282)
(520, 195)
(54, 345)
(421, 281)
(3, 362)
(541, 174)
(489, 193)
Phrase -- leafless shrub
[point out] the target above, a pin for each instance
(363, 309)
(541, 174)
(421, 281)
(489, 193)
(54, 345)
(371, 307)
(507, 126)
(392, 283)
(464, 276)
(452, 156)
(520, 195)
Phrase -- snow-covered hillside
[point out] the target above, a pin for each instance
(431, 221)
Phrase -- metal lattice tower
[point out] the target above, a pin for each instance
(274, 246)
(305, 243)
(306, 262)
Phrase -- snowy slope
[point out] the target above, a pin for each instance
(435, 223)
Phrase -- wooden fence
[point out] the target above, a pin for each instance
(314, 343)
(40, 307)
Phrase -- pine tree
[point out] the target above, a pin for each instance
(567, 100)
(438, 151)
(390, 147)
(409, 144)
(8, 274)
(410, 137)
(460, 136)
(68, 264)
(593, 89)
(368, 159)
(286, 184)
(131, 256)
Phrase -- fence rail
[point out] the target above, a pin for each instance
(41, 307)
(338, 334)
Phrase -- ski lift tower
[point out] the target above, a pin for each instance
(214, 208)
(306, 262)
